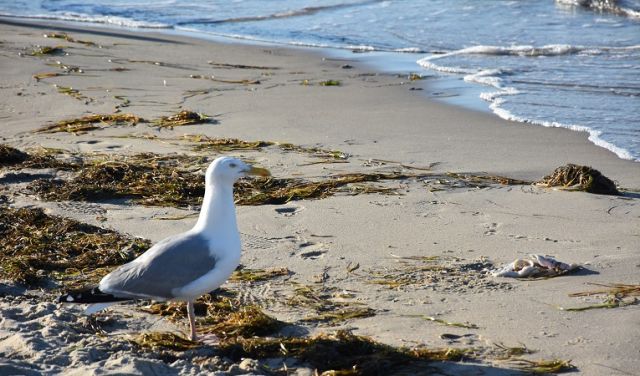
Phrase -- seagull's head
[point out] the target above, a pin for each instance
(229, 170)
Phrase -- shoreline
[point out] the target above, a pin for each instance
(439, 87)
(392, 230)
(598, 157)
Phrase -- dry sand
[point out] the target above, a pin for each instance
(373, 117)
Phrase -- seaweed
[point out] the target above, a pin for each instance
(258, 275)
(66, 68)
(322, 83)
(67, 90)
(340, 353)
(124, 102)
(543, 366)
(337, 316)
(617, 295)
(326, 310)
(280, 191)
(447, 323)
(246, 321)
(579, 178)
(68, 38)
(99, 121)
(453, 275)
(47, 50)
(227, 144)
(43, 158)
(226, 81)
(163, 340)
(240, 66)
(205, 143)
(481, 180)
(415, 77)
(91, 122)
(184, 117)
(41, 76)
(11, 156)
(223, 316)
(146, 178)
(149, 179)
(314, 151)
(330, 83)
(35, 246)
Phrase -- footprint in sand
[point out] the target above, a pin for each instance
(312, 251)
(491, 228)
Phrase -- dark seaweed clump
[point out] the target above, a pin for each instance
(12, 157)
(343, 353)
(580, 178)
(35, 246)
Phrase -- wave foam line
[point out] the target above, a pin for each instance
(106, 20)
(594, 135)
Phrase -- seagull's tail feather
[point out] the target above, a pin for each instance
(90, 296)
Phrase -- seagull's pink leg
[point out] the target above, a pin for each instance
(192, 320)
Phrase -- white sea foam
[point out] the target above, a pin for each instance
(107, 20)
(594, 135)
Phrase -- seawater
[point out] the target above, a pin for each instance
(563, 63)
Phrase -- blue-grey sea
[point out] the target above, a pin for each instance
(562, 63)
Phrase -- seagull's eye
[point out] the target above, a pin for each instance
(233, 165)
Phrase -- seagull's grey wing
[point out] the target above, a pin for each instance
(174, 263)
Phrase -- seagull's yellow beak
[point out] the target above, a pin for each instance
(258, 171)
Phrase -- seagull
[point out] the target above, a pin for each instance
(185, 266)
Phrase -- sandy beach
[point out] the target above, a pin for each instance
(411, 249)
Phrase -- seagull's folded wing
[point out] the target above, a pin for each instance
(169, 265)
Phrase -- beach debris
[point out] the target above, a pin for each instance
(445, 322)
(538, 266)
(35, 246)
(321, 83)
(100, 121)
(124, 102)
(579, 178)
(330, 83)
(67, 90)
(41, 76)
(224, 316)
(482, 180)
(329, 307)
(617, 295)
(226, 81)
(436, 273)
(258, 275)
(275, 191)
(42, 158)
(240, 66)
(91, 122)
(164, 340)
(338, 316)
(68, 38)
(11, 156)
(47, 50)
(184, 117)
(146, 178)
(542, 366)
(205, 143)
(341, 353)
